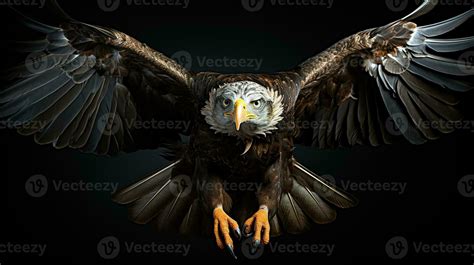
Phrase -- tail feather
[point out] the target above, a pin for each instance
(171, 217)
(310, 199)
(293, 218)
(328, 191)
(191, 221)
(163, 200)
(151, 205)
(135, 191)
(156, 199)
(312, 204)
(275, 227)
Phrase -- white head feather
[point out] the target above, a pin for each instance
(264, 124)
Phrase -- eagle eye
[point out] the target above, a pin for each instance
(226, 102)
(257, 103)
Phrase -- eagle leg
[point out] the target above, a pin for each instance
(261, 226)
(268, 197)
(222, 223)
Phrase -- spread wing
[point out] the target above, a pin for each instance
(95, 89)
(384, 82)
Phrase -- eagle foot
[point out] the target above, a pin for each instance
(261, 228)
(222, 225)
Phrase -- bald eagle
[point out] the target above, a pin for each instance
(95, 85)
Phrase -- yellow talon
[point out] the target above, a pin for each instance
(261, 227)
(222, 223)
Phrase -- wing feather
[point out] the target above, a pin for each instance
(89, 73)
(414, 75)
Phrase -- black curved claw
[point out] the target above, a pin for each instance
(255, 246)
(237, 233)
(231, 251)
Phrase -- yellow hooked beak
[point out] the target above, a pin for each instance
(241, 114)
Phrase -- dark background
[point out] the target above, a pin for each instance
(432, 210)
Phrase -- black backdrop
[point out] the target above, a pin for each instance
(431, 210)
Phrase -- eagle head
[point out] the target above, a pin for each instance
(244, 109)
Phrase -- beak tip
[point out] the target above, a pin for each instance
(240, 113)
